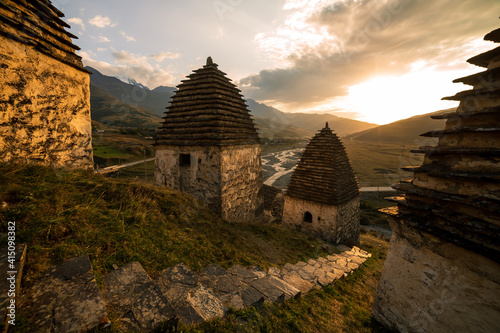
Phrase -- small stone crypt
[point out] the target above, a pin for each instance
(322, 197)
(208, 146)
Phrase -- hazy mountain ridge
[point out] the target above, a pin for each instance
(310, 122)
(275, 130)
(405, 131)
(108, 110)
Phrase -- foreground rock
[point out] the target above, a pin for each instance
(68, 299)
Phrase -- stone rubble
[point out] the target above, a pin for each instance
(68, 299)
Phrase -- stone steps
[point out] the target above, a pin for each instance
(67, 299)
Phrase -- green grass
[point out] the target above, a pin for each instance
(110, 152)
(136, 172)
(61, 214)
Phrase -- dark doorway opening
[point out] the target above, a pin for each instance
(308, 217)
(185, 160)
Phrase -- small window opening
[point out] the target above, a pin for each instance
(308, 217)
(185, 160)
(319, 218)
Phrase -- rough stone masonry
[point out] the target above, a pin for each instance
(45, 96)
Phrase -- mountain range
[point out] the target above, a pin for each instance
(131, 101)
(121, 104)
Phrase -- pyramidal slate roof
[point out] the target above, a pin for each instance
(207, 110)
(324, 173)
(38, 23)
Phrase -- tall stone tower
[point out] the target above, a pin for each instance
(322, 197)
(45, 94)
(442, 273)
(208, 146)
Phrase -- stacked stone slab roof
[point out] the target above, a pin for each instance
(455, 194)
(38, 24)
(207, 110)
(324, 173)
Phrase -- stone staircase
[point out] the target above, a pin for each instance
(68, 299)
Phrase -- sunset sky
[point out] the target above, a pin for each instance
(372, 60)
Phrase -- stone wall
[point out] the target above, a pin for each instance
(348, 222)
(45, 96)
(45, 109)
(228, 178)
(201, 179)
(429, 285)
(241, 182)
(339, 224)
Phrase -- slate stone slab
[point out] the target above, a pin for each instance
(274, 271)
(242, 273)
(300, 264)
(287, 268)
(181, 274)
(332, 257)
(193, 302)
(149, 308)
(275, 290)
(213, 270)
(259, 272)
(121, 284)
(140, 304)
(230, 289)
(294, 279)
(307, 273)
(289, 290)
(252, 297)
(269, 288)
(66, 299)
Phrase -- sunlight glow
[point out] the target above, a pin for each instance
(382, 100)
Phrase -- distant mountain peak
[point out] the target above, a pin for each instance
(127, 79)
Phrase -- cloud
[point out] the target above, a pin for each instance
(101, 21)
(159, 57)
(123, 57)
(134, 66)
(101, 49)
(127, 38)
(102, 39)
(77, 21)
(326, 46)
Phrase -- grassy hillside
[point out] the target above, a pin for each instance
(108, 110)
(379, 164)
(406, 131)
(61, 214)
(153, 100)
